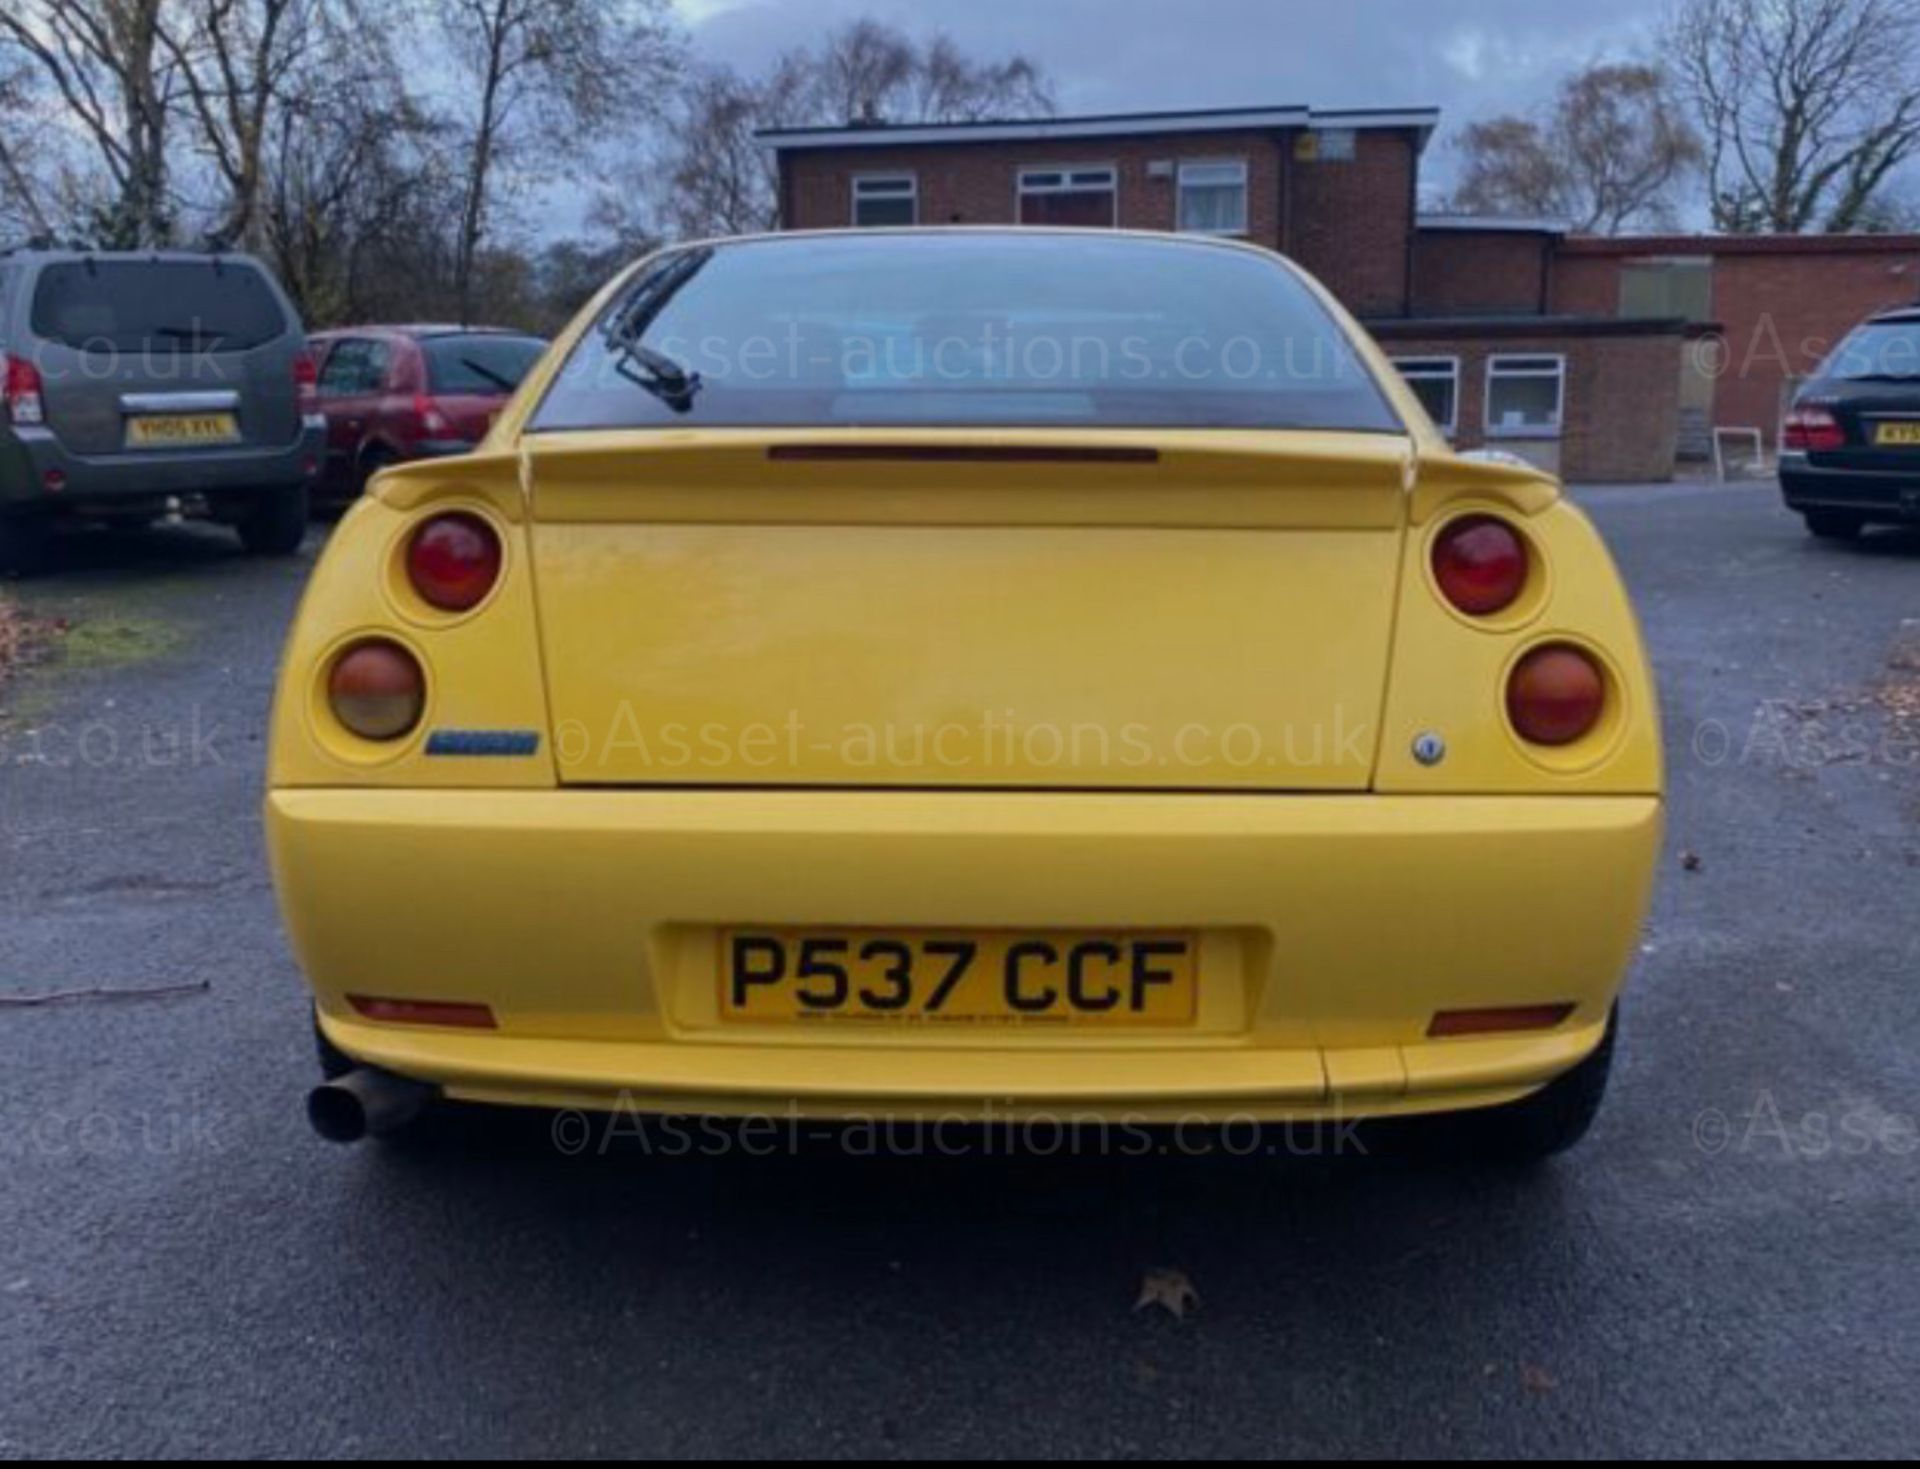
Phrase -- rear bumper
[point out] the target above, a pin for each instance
(29, 455)
(1881, 495)
(1333, 929)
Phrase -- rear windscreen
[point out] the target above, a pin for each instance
(156, 307)
(1885, 351)
(990, 329)
(485, 365)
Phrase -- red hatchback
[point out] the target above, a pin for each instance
(394, 393)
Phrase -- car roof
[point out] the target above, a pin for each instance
(420, 331)
(131, 257)
(1060, 233)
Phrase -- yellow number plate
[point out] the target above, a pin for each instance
(1895, 434)
(165, 431)
(925, 978)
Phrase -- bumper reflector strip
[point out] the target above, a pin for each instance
(1508, 1021)
(423, 1012)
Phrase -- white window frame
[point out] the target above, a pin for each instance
(1500, 364)
(894, 177)
(1180, 195)
(1022, 189)
(1432, 373)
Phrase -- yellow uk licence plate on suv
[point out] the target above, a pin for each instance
(925, 978)
(169, 430)
(1897, 435)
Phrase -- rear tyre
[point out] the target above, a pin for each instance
(1835, 525)
(25, 541)
(1550, 1121)
(276, 523)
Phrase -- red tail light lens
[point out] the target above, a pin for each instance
(1481, 565)
(377, 690)
(452, 1015)
(306, 383)
(22, 390)
(433, 423)
(453, 561)
(1812, 431)
(1556, 696)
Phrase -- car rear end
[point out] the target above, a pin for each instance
(996, 738)
(467, 377)
(1850, 445)
(135, 380)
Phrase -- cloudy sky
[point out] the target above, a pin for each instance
(1469, 57)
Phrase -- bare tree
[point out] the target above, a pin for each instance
(236, 61)
(22, 210)
(1607, 156)
(540, 73)
(719, 180)
(861, 68)
(870, 72)
(1808, 106)
(105, 61)
(357, 186)
(950, 86)
(716, 179)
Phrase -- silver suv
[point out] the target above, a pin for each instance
(134, 383)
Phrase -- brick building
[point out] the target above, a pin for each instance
(1763, 310)
(1603, 358)
(1336, 191)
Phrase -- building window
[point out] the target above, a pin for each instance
(1436, 383)
(882, 199)
(1213, 198)
(1526, 396)
(1327, 145)
(1070, 196)
(1682, 287)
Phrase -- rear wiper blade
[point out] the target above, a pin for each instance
(188, 334)
(670, 382)
(500, 381)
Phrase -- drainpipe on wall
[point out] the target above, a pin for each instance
(1413, 219)
(1283, 143)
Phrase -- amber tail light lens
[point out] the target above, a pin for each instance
(377, 690)
(1556, 696)
(453, 561)
(1481, 565)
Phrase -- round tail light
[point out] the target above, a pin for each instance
(453, 561)
(1556, 695)
(1481, 565)
(377, 690)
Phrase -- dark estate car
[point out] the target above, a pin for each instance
(1850, 448)
(134, 383)
(394, 393)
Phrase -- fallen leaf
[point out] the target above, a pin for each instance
(1692, 861)
(1171, 1291)
(1538, 1380)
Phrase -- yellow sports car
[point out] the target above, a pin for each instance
(998, 674)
